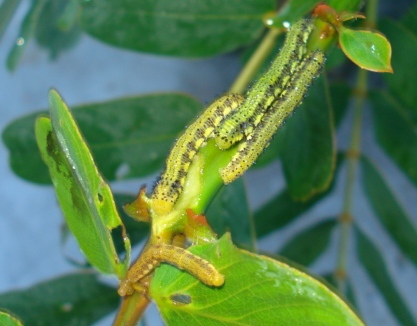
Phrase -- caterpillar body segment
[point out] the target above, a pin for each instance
(260, 97)
(259, 139)
(171, 182)
(176, 256)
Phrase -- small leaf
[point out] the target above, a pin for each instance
(75, 299)
(368, 49)
(305, 247)
(404, 45)
(371, 259)
(389, 211)
(49, 34)
(229, 211)
(396, 132)
(86, 200)
(7, 9)
(26, 32)
(308, 151)
(118, 132)
(257, 291)
(191, 28)
(7, 319)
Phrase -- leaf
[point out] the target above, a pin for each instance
(369, 50)
(7, 319)
(191, 28)
(404, 44)
(7, 9)
(118, 132)
(372, 260)
(345, 5)
(74, 299)
(86, 200)
(26, 32)
(340, 94)
(305, 247)
(291, 11)
(257, 291)
(396, 132)
(389, 211)
(308, 152)
(229, 211)
(49, 34)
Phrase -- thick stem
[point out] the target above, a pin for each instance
(353, 155)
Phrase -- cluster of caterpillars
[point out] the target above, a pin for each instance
(249, 121)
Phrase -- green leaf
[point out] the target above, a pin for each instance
(49, 34)
(368, 49)
(190, 28)
(7, 9)
(396, 132)
(26, 32)
(118, 132)
(308, 245)
(308, 152)
(389, 211)
(345, 5)
(7, 319)
(257, 291)
(86, 200)
(371, 259)
(404, 46)
(229, 211)
(340, 94)
(291, 11)
(75, 299)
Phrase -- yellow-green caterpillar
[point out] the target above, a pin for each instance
(259, 139)
(179, 257)
(171, 182)
(259, 98)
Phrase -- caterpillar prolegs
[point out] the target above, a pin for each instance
(179, 257)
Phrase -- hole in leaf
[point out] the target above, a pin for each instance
(181, 299)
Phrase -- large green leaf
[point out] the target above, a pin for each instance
(257, 291)
(396, 131)
(86, 200)
(75, 299)
(188, 28)
(308, 151)
(7, 319)
(371, 259)
(389, 211)
(229, 211)
(308, 245)
(404, 45)
(128, 137)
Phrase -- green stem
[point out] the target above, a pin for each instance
(353, 155)
(255, 61)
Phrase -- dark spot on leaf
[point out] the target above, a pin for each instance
(100, 197)
(181, 299)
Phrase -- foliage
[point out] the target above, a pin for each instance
(121, 131)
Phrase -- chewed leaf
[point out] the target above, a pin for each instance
(86, 200)
(257, 291)
(368, 49)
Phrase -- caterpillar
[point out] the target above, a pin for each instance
(171, 182)
(179, 257)
(259, 98)
(259, 139)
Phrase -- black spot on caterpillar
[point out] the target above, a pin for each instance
(171, 182)
(258, 140)
(260, 97)
(179, 257)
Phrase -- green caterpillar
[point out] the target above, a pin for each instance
(260, 97)
(169, 187)
(290, 98)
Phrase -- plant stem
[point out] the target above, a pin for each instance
(255, 61)
(352, 155)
